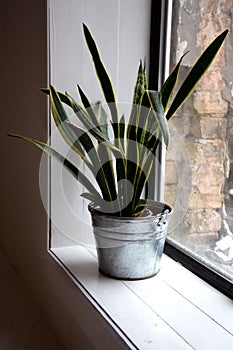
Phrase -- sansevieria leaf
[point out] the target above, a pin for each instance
(88, 106)
(141, 84)
(197, 71)
(91, 127)
(156, 103)
(143, 174)
(72, 169)
(92, 153)
(61, 95)
(121, 162)
(170, 84)
(102, 119)
(102, 74)
(60, 117)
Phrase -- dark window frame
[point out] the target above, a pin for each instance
(159, 22)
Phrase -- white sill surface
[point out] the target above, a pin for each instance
(173, 310)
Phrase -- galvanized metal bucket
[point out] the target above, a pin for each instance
(130, 248)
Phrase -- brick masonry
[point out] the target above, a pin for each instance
(205, 122)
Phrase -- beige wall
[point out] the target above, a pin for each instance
(23, 66)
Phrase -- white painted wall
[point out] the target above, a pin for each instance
(24, 110)
(121, 29)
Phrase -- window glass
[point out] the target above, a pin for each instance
(199, 164)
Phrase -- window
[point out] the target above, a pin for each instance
(199, 177)
(202, 205)
(150, 320)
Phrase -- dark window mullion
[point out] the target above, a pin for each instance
(202, 271)
(157, 71)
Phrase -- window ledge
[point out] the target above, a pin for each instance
(173, 310)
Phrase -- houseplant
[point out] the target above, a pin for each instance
(129, 229)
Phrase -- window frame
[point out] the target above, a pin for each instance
(100, 327)
(160, 33)
(146, 313)
(213, 278)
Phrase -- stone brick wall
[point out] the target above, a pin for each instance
(205, 121)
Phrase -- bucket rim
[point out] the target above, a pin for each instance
(166, 210)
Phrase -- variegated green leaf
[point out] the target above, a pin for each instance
(107, 166)
(89, 196)
(142, 178)
(86, 103)
(170, 84)
(102, 119)
(97, 169)
(122, 132)
(82, 116)
(70, 167)
(147, 122)
(102, 74)
(196, 73)
(140, 87)
(61, 95)
(133, 149)
(60, 117)
(156, 103)
(141, 84)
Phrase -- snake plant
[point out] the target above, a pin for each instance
(121, 164)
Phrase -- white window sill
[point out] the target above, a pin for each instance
(173, 310)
